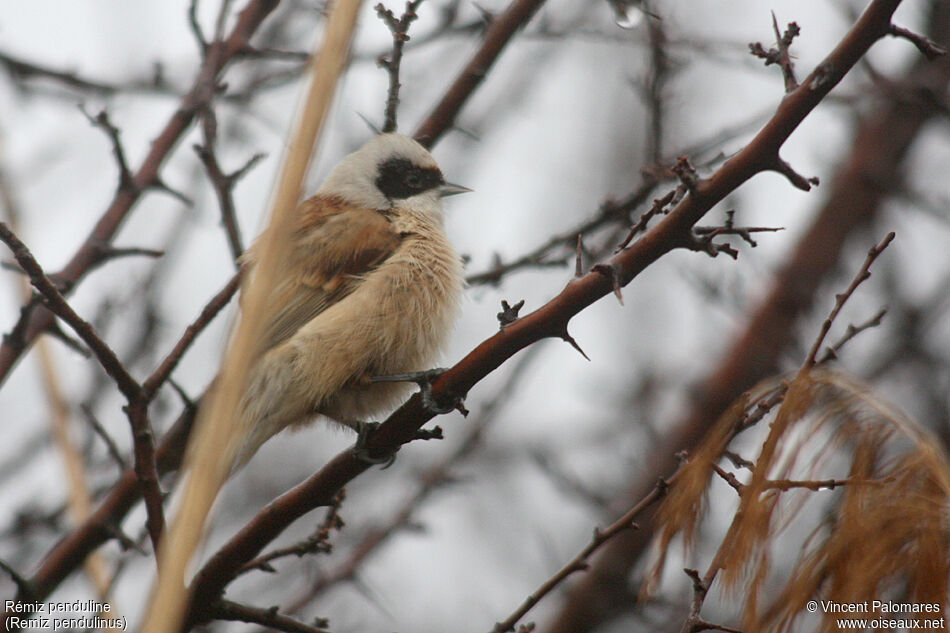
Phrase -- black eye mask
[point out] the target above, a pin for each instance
(399, 178)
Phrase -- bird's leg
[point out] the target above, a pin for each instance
(424, 379)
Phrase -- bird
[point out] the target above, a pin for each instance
(368, 285)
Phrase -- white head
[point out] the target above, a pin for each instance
(389, 169)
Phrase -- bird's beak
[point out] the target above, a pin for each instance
(448, 189)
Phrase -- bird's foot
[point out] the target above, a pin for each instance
(425, 379)
(361, 449)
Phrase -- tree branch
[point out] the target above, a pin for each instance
(579, 562)
(858, 190)
(499, 33)
(399, 28)
(551, 319)
(35, 321)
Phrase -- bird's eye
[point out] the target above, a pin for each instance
(413, 180)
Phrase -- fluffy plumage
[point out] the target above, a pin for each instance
(369, 285)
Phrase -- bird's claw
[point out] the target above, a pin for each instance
(424, 379)
(363, 432)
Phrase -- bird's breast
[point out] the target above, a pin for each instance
(419, 289)
(397, 320)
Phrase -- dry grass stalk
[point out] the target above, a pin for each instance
(887, 535)
(78, 498)
(206, 463)
(685, 503)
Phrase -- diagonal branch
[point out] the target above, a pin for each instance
(63, 558)
(858, 191)
(842, 298)
(579, 562)
(58, 305)
(161, 374)
(551, 319)
(35, 321)
(271, 618)
(503, 27)
(137, 405)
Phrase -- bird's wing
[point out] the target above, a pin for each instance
(332, 246)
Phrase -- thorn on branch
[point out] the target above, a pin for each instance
(566, 337)
(509, 313)
(930, 49)
(487, 16)
(99, 430)
(241, 171)
(187, 401)
(400, 32)
(698, 585)
(700, 243)
(780, 55)
(372, 126)
(126, 543)
(729, 228)
(613, 274)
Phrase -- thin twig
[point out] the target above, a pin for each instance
(97, 427)
(34, 322)
(853, 330)
(842, 298)
(501, 30)
(151, 386)
(271, 618)
(551, 319)
(579, 562)
(399, 28)
(223, 183)
(930, 49)
(23, 585)
(57, 303)
(316, 543)
(542, 256)
(780, 55)
(137, 407)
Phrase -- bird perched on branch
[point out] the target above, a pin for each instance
(369, 285)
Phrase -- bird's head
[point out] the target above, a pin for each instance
(388, 169)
